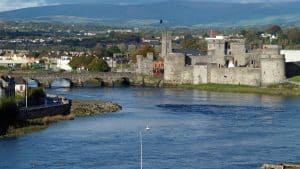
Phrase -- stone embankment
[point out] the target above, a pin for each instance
(81, 108)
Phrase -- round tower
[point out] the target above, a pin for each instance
(272, 65)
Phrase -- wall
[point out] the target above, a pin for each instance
(42, 111)
(200, 74)
(187, 75)
(174, 66)
(145, 64)
(236, 76)
(272, 69)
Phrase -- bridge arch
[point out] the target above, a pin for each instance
(93, 82)
(32, 82)
(61, 83)
(123, 81)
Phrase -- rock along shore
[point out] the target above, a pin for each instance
(82, 108)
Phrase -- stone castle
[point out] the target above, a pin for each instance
(227, 61)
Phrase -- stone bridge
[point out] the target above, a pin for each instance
(79, 79)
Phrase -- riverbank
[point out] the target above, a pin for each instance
(281, 89)
(79, 108)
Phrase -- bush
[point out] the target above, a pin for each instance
(36, 93)
(8, 114)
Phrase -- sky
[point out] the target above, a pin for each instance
(6, 5)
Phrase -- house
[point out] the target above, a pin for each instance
(7, 86)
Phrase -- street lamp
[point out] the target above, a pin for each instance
(141, 140)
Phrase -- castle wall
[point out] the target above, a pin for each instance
(145, 64)
(174, 66)
(236, 76)
(272, 69)
(200, 74)
(187, 76)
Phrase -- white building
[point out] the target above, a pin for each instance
(291, 55)
(63, 63)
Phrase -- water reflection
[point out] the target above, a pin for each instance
(32, 83)
(61, 83)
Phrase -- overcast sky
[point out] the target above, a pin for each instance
(6, 5)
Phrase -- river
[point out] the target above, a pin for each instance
(188, 130)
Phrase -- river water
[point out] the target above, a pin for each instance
(189, 130)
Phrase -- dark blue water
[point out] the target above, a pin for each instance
(189, 130)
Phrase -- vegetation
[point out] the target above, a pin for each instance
(282, 89)
(36, 93)
(81, 61)
(143, 51)
(295, 79)
(98, 65)
(90, 63)
(8, 114)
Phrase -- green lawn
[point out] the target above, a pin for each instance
(295, 79)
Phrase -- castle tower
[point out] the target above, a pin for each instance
(166, 43)
(174, 66)
(272, 65)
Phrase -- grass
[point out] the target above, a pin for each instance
(295, 79)
(25, 127)
(281, 89)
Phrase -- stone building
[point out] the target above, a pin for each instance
(228, 62)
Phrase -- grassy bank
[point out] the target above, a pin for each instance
(295, 79)
(282, 89)
(79, 109)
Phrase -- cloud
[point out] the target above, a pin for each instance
(6, 5)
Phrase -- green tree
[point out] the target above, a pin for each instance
(143, 51)
(81, 61)
(98, 65)
(8, 113)
(113, 49)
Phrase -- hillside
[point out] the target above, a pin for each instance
(175, 13)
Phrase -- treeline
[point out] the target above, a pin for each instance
(289, 38)
(90, 63)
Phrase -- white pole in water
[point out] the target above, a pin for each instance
(26, 92)
(141, 141)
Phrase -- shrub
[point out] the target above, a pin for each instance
(8, 113)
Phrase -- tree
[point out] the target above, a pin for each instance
(293, 35)
(113, 49)
(99, 51)
(274, 30)
(36, 94)
(143, 51)
(98, 65)
(81, 61)
(8, 113)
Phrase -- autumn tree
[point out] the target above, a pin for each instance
(143, 50)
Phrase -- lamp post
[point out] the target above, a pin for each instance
(141, 142)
